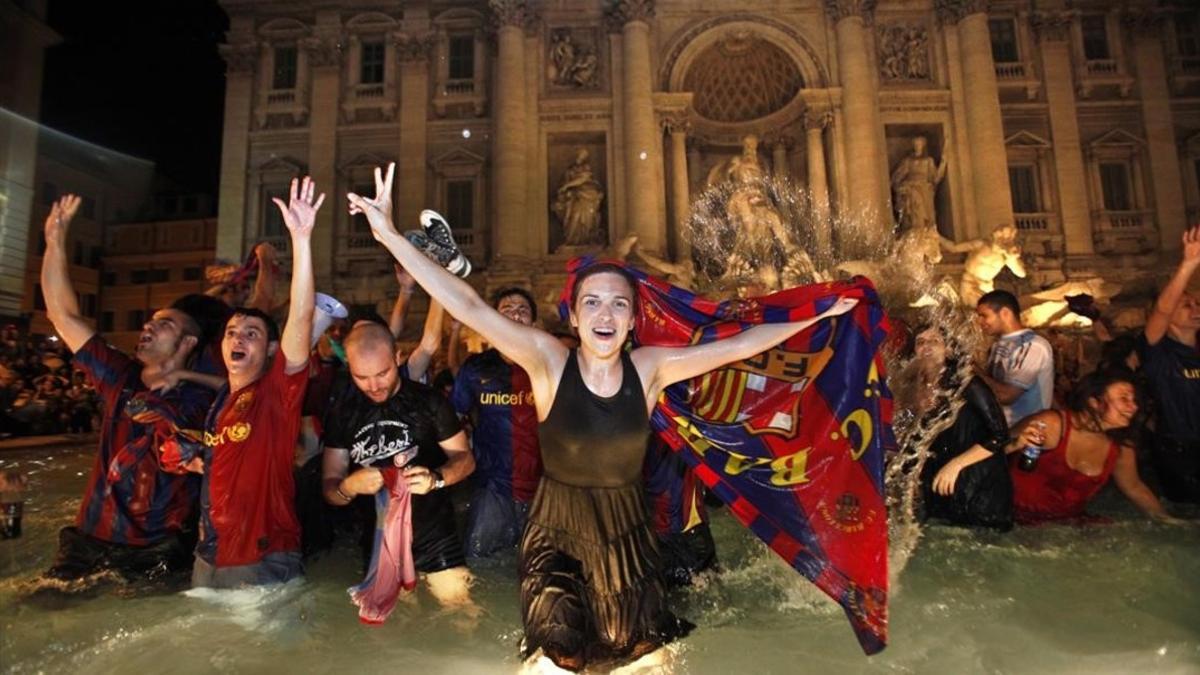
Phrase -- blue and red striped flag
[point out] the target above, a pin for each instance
(792, 440)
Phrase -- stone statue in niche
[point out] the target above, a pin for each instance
(577, 203)
(571, 64)
(915, 182)
(904, 52)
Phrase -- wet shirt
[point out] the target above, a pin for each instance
(247, 499)
(128, 499)
(405, 429)
(499, 398)
(1172, 372)
(1024, 359)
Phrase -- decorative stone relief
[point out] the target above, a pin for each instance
(624, 11)
(1051, 26)
(510, 13)
(239, 58)
(841, 9)
(322, 52)
(414, 48)
(952, 11)
(573, 60)
(903, 52)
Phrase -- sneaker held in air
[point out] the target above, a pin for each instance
(439, 232)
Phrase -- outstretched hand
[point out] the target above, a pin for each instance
(378, 210)
(61, 214)
(403, 278)
(1191, 244)
(300, 213)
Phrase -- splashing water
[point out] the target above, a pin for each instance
(739, 229)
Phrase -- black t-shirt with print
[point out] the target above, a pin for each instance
(407, 426)
(1172, 372)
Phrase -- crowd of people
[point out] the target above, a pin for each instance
(276, 439)
(39, 392)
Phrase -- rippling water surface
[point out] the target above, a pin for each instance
(1122, 597)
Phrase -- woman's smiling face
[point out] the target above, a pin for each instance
(603, 313)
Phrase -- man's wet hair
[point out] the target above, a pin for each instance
(515, 290)
(997, 300)
(209, 314)
(272, 326)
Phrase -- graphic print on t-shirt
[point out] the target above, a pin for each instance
(383, 439)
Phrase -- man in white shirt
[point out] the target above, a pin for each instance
(1020, 367)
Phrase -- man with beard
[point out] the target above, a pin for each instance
(391, 422)
(135, 518)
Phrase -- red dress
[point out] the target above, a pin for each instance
(1053, 490)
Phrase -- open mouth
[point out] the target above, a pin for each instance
(145, 338)
(604, 333)
(236, 356)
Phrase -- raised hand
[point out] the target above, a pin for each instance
(59, 219)
(378, 210)
(403, 278)
(1191, 244)
(300, 213)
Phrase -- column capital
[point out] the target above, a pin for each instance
(677, 122)
(414, 47)
(1144, 22)
(239, 58)
(841, 9)
(323, 51)
(950, 12)
(1052, 26)
(817, 119)
(515, 13)
(781, 139)
(627, 11)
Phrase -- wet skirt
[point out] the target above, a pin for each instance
(591, 590)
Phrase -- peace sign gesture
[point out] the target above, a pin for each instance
(378, 210)
(300, 213)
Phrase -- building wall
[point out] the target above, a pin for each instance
(993, 86)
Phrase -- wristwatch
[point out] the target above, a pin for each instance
(438, 481)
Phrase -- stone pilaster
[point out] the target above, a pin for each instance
(985, 127)
(678, 128)
(642, 142)
(1053, 37)
(509, 154)
(1169, 213)
(815, 122)
(324, 53)
(412, 53)
(860, 104)
(241, 60)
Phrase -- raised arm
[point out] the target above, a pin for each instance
(263, 297)
(530, 348)
(62, 307)
(454, 347)
(1172, 293)
(431, 340)
(660, 367)
(299, 215)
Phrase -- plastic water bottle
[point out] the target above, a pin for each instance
(1031, 453)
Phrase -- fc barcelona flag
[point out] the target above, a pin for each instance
(792, 440)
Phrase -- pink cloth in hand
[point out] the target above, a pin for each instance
(391, 567)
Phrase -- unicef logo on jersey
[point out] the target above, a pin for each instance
(383, 440)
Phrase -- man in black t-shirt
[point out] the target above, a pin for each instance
(390, 421)
(1171, 365)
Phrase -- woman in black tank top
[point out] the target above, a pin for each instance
(590, 586)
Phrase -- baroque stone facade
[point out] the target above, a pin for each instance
(1077, 122)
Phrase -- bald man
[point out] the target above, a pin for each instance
(391, 421)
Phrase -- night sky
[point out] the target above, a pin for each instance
(144, 78)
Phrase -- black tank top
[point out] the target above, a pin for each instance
(595, 441)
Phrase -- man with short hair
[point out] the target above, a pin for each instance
(249, 531)
(391, 422)
(1020, 366)
(1171, 365)
(495, 394)
(134, 517)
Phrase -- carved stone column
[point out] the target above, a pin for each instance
(1148, 30)
(779, 157)
(412, 53)
(985, 127)
(241, 60)
(678, 129)
(509, 149)
(1053, 36)
(324, 53)
(815, 123)
(641, 144)
(860, 103)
